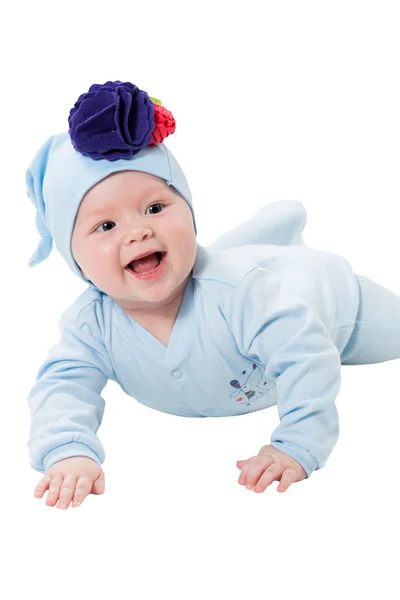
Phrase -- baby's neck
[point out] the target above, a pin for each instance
(159, 321)
(159, 313)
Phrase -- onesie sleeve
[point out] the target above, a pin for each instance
(276, 327)
(65, 404)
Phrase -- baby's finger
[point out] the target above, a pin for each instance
(66, 491)
(273, 472)
(54, 490)
(42, 486)
(83, 487)
(289, 476)
(244, 465)
(256, 469)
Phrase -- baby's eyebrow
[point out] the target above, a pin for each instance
(95, 214)
(106, 209)
(101, 210)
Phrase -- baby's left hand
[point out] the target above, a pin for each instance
(270, 465)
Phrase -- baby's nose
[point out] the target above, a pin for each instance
(137, 234)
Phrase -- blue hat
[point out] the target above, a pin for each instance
(113, 127)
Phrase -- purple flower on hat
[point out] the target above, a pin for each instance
(111, 121)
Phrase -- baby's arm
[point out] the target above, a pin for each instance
(280, 330)
(65, 403)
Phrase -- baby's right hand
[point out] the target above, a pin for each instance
(71, 479)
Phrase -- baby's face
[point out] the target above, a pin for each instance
(124, 215)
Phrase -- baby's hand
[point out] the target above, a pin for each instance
(71, 478)
(270, 465)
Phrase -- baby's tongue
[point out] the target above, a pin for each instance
(145, 264)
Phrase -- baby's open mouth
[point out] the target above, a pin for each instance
(146, 263)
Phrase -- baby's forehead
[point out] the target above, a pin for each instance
(122, 186)
(130, 181)
(133, 185)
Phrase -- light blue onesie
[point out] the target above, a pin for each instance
(260, 324)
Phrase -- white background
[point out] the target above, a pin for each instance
(273, 100)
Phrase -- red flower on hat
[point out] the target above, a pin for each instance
(164, 124)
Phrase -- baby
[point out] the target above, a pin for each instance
(256, 319)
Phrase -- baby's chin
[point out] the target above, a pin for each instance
(153, 300)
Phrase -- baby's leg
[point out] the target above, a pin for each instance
(376, 336)
(279, 223)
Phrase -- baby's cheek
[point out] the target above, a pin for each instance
(186, 241)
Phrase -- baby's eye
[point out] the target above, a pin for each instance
(157, 204)
(105, 223)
